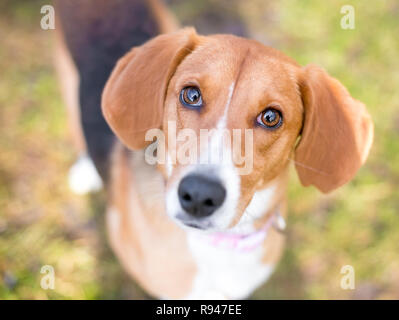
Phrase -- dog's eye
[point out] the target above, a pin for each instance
(270, 118)
(191, 97)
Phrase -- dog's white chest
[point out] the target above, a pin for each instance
(224, 272)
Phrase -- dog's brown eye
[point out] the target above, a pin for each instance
(270, 118)
(191, 97)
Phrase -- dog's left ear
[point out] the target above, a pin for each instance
(336, 135)
(133, 97)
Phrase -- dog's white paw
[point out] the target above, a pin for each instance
(83, 176)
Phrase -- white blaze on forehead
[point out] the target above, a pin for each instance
(219, 149)
(223, 121)
(262, 202)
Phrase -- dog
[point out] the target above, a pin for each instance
(203, 230)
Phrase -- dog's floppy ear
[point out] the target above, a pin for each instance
(133, 97)
(336, 135)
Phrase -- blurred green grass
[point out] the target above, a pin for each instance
(42, 223)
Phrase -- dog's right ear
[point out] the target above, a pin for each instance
(133, 97)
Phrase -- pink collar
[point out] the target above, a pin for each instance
(246, 242)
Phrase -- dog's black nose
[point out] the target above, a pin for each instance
(200, 196)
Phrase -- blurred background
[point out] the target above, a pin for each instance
(43, 223)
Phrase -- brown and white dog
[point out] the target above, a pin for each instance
(202, 229)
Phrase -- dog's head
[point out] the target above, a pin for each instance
(224, 95)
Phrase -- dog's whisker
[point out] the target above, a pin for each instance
(307, 167)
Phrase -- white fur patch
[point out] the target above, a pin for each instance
(83, 176)
(225, 273)
(223, 121)
(260, 203)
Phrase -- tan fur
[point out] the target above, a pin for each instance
(143, 93)
(337, 132)
(125, 109)
(239, 56)
(150, 246)
(69, 81)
